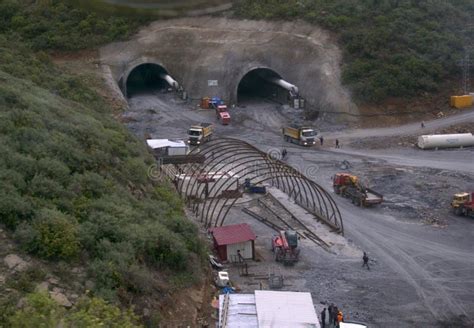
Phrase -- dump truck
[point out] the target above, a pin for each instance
(463, 204)
(285, 247)
(200, 133)
(222, 114)
(349, 186)
(303, 136)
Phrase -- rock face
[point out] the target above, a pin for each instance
(61, 299)
(210, 56)
(16, 263)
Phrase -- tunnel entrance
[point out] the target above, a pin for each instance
(256, 86)
(146, 78)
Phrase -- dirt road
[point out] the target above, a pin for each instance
(407, 129)
(421, 275)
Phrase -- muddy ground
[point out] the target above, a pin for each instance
(421, 254)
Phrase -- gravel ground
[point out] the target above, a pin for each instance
(421, 255)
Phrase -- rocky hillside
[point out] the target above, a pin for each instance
(83, 220)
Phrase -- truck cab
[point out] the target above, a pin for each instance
(195, 135)
(307, 136)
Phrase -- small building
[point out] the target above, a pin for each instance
(168, 147)
(268, 309)
(233, 239)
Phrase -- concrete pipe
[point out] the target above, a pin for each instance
(172, 82)
(445, 140)
(285, 85)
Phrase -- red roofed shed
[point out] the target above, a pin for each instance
(228, 240)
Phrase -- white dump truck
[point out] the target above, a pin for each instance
(200, 133)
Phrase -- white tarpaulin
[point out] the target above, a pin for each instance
(163, 143)
(285, 309)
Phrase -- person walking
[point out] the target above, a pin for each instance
(323, 318)
(337, 143)
(330, 313)
(422, 124)
(283, 153)
(366, 261)
(335, 311)
(321, 140)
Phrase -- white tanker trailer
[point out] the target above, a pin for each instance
(445, 140)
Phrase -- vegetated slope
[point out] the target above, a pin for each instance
(76, 184)
(62, 25)
(393, 48)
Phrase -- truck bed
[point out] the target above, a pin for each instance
(373, 197)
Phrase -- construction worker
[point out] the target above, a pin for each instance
(365, 258)
(334, 315)
(339, 318)
(323, 318)
(331, 313)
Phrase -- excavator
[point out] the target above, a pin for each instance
(350, 186)
(463, 204)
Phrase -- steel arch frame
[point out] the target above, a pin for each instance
(238, 159)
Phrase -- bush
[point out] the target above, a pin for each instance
(40, 311)
(50, 235)
(95, 312)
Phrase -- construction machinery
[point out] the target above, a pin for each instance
(222, 114)
(201, 133)
(285, 247)
(463, 204)
(303, 136)
(350, 186)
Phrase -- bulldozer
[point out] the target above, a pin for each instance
(463, 204)
(351, 187)
(285, 247)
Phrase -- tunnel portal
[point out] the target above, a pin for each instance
(256, 86)
(146, 78)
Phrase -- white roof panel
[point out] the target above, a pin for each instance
(285, 309)
(163, 143)
(241, 312)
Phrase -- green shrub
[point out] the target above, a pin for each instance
(50, 235)
(95, 312)
(40, 311)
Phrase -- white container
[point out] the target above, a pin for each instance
(446, 140)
